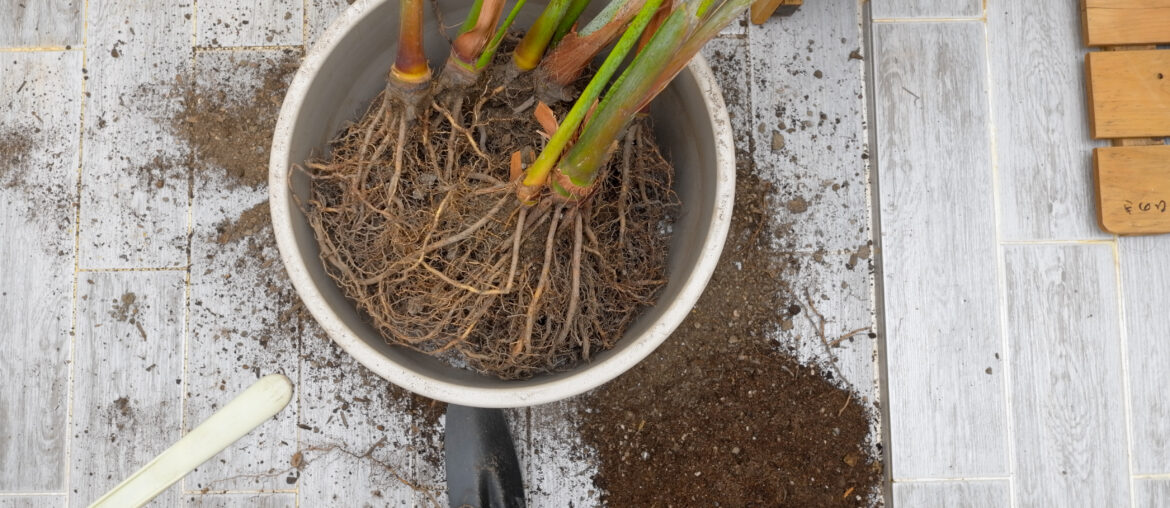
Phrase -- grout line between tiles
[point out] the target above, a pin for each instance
(1153, 476)
(237, 492)
(141, 269)
(930, 20)
(68, 462)
(190, 233)
(1006, 367)
(31, 494)
(1057, 242)
(39, 49)
(869, 164)
(881, 360)
(956, 479)
(1126, 390)
(224, 49)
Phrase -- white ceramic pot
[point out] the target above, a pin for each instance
(346, 68)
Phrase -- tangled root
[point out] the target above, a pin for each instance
(420, 226)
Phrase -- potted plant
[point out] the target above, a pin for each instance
(346, 71)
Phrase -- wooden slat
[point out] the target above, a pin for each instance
(1145, 283)
(942, 318)
(40, 23)
(319, 14)
(1121, 22)
(134, 174)
(227, 23)
(1129, 93)
(127, 385)
(1133, 189)
(1041, 138)
(1067, 381)
(38, 175)
(953, 494)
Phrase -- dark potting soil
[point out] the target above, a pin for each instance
(232, 133)
(717, 416)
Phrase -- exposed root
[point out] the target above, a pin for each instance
(419, 225)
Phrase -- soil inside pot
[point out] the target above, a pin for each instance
(419, 224)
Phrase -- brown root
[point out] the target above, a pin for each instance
(419, 225)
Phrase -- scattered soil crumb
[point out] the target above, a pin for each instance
(232, 132)
(252, 221)
(122, 404)
(125, 308)
(797, 205)
(777, 141)
(717, 415)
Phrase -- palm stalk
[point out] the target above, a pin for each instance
(410, 75)
(460, 70)
(681, 35)
(537, 174)
(565, 63)
(490, 51)
(569, 21)
(531, 49)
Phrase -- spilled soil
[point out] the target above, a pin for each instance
(717, 416)
(232, 133)
(15, 145)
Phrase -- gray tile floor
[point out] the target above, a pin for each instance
(1024, 351)
(98, 382)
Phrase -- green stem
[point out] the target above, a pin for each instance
(531, 48)
(673, 45)
(538, 173)
(469, 23)
(570, 19)
(490, 51)
(619, 107)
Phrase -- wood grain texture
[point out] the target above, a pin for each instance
(319, 14)
(1151, 493)
(356, 434)
(808, 126)
(134, 174)
(558, 467)
(1122, 22)
(49, 501)
(1041, 139)
(886, 9)
(1129, 93)
(279, 500)
(1145, 287)
(40, 23)
(127, 378)
(38, 175)
(227, 23)
(1067, 383)
(939, 252)
(242, 327)
(1133, 189)
(952, 494)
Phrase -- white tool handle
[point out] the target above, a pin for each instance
(247, 411)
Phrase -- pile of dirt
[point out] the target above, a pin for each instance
(232, 133)
(717, 416)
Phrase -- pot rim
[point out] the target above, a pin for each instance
(586, 377)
